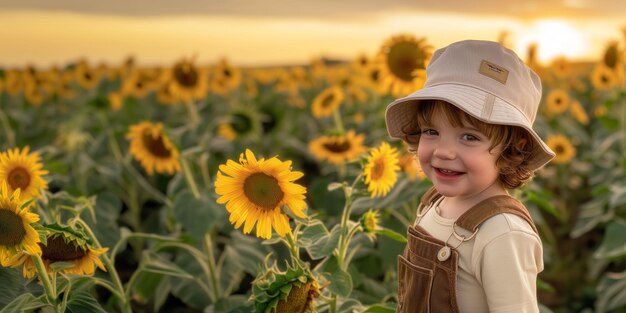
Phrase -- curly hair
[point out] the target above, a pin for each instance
(516, 143)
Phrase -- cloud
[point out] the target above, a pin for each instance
(326, 8)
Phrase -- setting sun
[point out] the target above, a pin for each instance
(554, 38)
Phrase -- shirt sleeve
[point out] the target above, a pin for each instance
(509, 267)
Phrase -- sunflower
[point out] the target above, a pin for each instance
(373, 79)
(289, 291)
(404, 60)
(225, 77)
(603, 77)
(86, 76)
(14, 82)
(370, 221)
(152, 148)
(256, 191)
(579, 113)
(612, 56)
(411, 167)
(380, 172)
(600, 111)
(190, 81)
(18, 237)
(361, 63)
(338, 149)
(64, 244)
(563, 148)
(561, 67)
(558, 101)
(327, 102)
(116, 100)
(226, 131)
(22, 170)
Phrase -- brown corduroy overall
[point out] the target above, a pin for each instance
(428, 267)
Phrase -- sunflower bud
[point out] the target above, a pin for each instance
(369, 222)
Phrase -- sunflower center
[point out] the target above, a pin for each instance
(328, 100)
(241, 123)
(19, 178)
(404, 59)
(11, 228)
(337, 147)
(559, 149)
(263, 190)
(156, 145)
(378, 169)
(186, 75)
(298, 300)
(58, 250)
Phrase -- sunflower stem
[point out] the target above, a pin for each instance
(293, 248)
(333, 304)
(208, 243)
(45, 280)
(194, 119)
(189, 178)
(338, 122)
(124, 301)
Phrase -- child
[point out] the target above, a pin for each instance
(473, 248)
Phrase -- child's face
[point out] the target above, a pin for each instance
(457, 159)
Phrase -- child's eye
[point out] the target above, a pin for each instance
(470, 137)
(429, 132)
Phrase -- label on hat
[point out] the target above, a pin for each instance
(494, 71)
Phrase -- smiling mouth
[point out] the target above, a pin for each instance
(447, 172)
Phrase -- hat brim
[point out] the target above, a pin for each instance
(471, 100)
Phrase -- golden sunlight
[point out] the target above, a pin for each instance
(554, 38)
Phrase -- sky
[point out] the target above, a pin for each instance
(277, 32)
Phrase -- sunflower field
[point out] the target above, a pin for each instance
(221, 189)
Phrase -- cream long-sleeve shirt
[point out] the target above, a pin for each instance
(498, 268)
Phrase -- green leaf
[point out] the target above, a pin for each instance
(380, 308)
(340, 280)
(611, 292)
(613, 244)
(591, 214)
(618, 195)
(334, 186)
(146, 285)
(197, 216)
(542, 203)
(13, 285)
(232, 304)
(154, 263)
(322, 243)
(391, 234)
(106, 228)
(24, 302)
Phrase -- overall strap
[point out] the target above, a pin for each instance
(429, 197)
(490, 207)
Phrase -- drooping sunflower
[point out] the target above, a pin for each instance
(18, 237)
(64, 244)
(558, 101)
(381, 169)
(603, 77)
(289, 291)
(256, 191)
(338, 149)
(563, 148)
(151, 146)
(404, 59)
(327, 102)
(23, 170)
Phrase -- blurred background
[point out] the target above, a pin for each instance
(254, 32)
(116, 116)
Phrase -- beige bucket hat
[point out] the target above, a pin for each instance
(484, 79)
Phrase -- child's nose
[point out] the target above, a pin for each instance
(444, 151)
